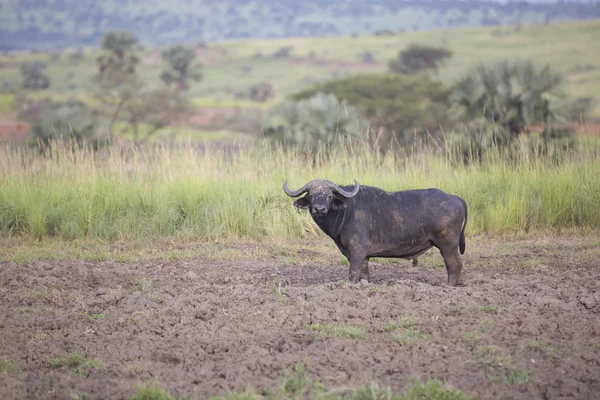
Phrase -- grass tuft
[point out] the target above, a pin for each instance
(8, 367)
(344, 332)
(77, 362)
(151, 392)
(408, 337)
(493, 356)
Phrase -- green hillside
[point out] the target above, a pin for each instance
(231, 67)
(69, 23)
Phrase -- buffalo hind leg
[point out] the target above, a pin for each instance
(453, 263)
(359, 270)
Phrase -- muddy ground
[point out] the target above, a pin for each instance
(524, 324)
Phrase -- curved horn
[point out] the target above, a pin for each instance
(348, 194)
(296, 193)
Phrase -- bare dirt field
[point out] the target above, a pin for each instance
(523, 324)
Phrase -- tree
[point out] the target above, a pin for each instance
(512, 94)
(262, 92)
(417, 58)
(117, 80)
(398, 106)
(182, 68)
(34, 77)
(154, 109)
(118, 53)
(312, 123)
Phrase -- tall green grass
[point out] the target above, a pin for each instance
(182, 192)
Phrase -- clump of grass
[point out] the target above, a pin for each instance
(7, 366)
(500, 366)
(344, 332)
(247, 394)
(294, 382)
(470, 338)
(515, 378)
(46, 295)
(545, 348)
(37, 337)
(409, 321)
(142, 284)
(276, 291)
(491, 355)
(77, 362)
(491, 309)
(432, 390)
(373, 391)
(151, 392)
(389, 326)
(82, 314)
(408, 337)
(455, 311)
(296, 385)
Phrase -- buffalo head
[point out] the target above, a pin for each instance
(321, 196)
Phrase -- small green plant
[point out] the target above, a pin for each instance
(408, 337)
(545, 348)
(345, 332)
(373, 391)
(81, 314)
(151, 392)
(531, 263)
(78, 362)
(8, 366)
(239, 395)
(409, 320)
(294, 382)
(491, 309)
(46, 295)
(157, 299)
(491, 355)
(455, 311)
(432, 390)
(389, 326)
(514, 378)
(142, 284)
(470, 338)
(276, 291)
(36, 337)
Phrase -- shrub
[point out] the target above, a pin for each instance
(319, 121)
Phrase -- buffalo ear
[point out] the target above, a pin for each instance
(338, 204)
(302, 203)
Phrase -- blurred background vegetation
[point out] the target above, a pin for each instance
(469, 84)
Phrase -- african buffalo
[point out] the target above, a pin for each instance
(367, 222)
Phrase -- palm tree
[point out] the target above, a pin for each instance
(513, 94)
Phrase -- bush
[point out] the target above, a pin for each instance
(400, 107)
(283, 52)
(262, 91)
(418, 58)
(71, 121)
(319, 121)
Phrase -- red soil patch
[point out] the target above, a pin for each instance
(14, 131)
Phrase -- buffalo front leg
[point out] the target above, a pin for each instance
(453, 263)
(359, 270)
